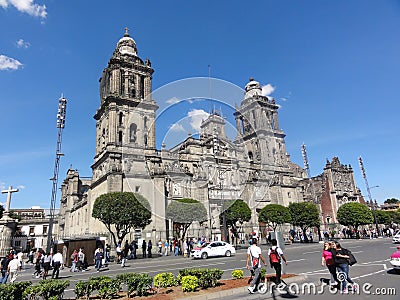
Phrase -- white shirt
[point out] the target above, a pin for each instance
(254, 251)
(278, 250)
(58, 257)
(14, 265)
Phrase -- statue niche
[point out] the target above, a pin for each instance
(132, 133)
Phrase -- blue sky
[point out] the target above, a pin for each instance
(332, 66)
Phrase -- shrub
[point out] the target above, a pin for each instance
(138, 283)
(163, 280)
(108, 288)
(46, 289)
(14, 290)
(263, 272)
(82, 288)
(189, 283)
(207, 277)
(237, 274)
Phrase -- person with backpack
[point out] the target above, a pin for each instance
(74, 260)
(341, 257)
(254, 256)
(275, 255)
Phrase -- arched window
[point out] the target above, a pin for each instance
(251, 158)
(120, 118)
(120, 137)
(132, 133)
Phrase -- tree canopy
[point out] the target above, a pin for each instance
(274, 215)
(235, 211)
(122, 211)
(383, 217)
(304, 215)
(354, 214)
(186, 211)
(392, 200)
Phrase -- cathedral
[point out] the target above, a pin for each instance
(208, 167)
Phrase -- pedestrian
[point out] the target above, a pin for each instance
(275, 255)
(4, 269)
(20, 255)
(58, 261)
(166, 247)
(107, 251)
(124, 254)
(253, 263)
(144, 248)
(46, 262)
(13, 267)
(149, 247)
(98, 257)
(133, 249)
(176, 247)
(119, 252)
(30, 256)
(185, 248)
(341, 258)
(81, 260)
(327, 259)
(160, 245)
(38, 263)
(74, 260)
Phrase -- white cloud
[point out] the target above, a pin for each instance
(26, 6)
(2, 184)
(196, 116)
(177, 127)
(8, 63)
(173, 100)
(22, 44)
(267, 90)
(21, 187)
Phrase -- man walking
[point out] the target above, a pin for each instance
(4, 269)
(253, 264)
(57, 262)
(275, 255)
(13, 267)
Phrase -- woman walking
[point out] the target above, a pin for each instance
(341, 258)
(327, 259)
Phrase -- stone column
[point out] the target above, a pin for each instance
(7, 229)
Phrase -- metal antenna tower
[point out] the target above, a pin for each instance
(364, 175)
(61, 113)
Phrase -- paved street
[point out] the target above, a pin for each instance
(373, 267)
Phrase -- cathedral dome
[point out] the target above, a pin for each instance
(127, 45)
(253, 88)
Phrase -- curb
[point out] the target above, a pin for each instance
(238, 291)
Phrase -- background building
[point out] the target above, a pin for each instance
(211, 168)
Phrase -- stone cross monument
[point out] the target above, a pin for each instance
(7, 224)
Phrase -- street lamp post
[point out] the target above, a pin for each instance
(61, 113)
(364, 175)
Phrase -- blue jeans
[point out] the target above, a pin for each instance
(98, 264)
(4, 276)
(344, 268)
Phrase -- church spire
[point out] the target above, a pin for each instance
(126, 32)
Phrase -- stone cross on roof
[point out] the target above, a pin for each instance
(9, 192)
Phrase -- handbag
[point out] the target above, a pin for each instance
(352, 259)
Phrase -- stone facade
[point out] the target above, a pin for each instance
(210, 168)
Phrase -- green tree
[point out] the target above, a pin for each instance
(304, 215)
(186, 211)
(394, 215)
(383, 217)
(354, 214)
(236, 211)
(122, 211)
(392, 200)
(274, 215)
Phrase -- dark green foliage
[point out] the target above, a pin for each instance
(46, 289)
(392, 201)
(274, 215)
(108, 288)
(185, 212)
(354, 214)
(123, 211)
(207, 277)
(138, 283)
(14, 290)
(383, 217)
(235, 211)
(304, 215)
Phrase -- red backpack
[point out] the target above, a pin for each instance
(274, 257)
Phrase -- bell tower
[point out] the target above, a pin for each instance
(125, 120)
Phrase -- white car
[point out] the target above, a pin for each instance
(396, 237)
(216, 248)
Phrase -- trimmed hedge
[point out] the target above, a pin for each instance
(207, 277)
